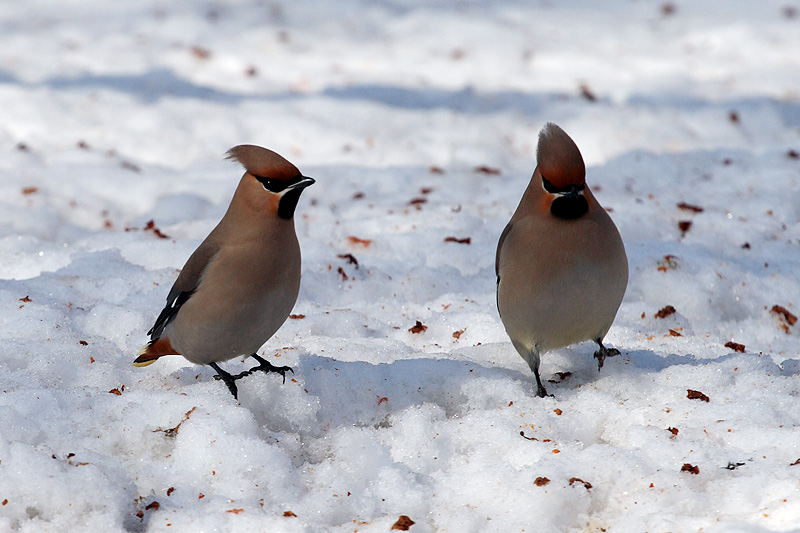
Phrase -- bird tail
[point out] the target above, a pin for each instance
(154, 349)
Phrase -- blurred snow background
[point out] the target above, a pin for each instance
(419, 121)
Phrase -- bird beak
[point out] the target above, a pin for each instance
(573, 193)
(303, 183)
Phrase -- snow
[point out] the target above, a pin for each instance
(118, 114)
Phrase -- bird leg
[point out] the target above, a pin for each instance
(266, 366)
(531, 356)
(229, 380)
(541, 392)
(602, 353)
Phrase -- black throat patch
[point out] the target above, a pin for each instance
(288, 203)
(569, 207)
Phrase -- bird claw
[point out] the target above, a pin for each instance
(268, 367)
(602, 353)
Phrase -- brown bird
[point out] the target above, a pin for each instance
(241, 283)
(561, 265)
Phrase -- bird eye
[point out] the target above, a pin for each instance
(272, 184)
(552, 189)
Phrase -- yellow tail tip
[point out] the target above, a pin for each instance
(143, 363)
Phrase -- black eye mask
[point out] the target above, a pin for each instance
(275, 185)
(552, 189)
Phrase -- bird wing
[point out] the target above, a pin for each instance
(499, 247)
(184, 286)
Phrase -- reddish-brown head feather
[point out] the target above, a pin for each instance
(558, 158)
(261, 162)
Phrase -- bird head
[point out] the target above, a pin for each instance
(563, 173)
(268, 171)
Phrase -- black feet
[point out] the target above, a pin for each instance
(229, 380)
(264, 366)
(602, 353)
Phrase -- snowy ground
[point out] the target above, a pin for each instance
(419, 122)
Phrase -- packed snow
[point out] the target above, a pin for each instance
(408, 403)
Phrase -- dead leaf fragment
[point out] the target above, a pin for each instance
(561, 377)
(235, 511)
(690, 207)
(403, 523)
(419, 327)
(579, 480)
(735, 346)
(171, 432)
(674, 432)
(297, 317)
(30, 190)
(668, 262)
(684, 226)
(793, 464)
(464, 240)
(170, 491)
(587, 93)
(541, 481)
(115, 391)
(674, 333)
(289, 514)
(127, 165)
(457, 334)
(349, 258)
(696, 395)
(355, 240)
(487, 170)
(152, 506)
(25, 299)
(200, 53)
(665, 311)
(785, 313)
(151, 226)
(690, 468)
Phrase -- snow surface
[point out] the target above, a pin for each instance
(116, 114)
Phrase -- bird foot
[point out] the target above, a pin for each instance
(602, 353)
(264, 366)
(229, 380)
(267, 367)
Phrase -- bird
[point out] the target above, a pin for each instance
(561, 265)
(241, 283)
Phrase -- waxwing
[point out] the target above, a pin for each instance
(241, 283)
(561, 265)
